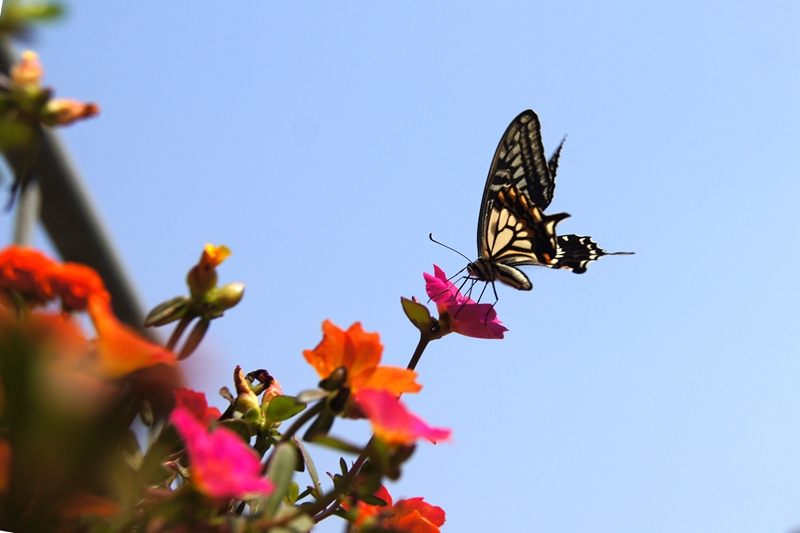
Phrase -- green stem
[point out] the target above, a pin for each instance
(179, 329)
(307, 415)
(421, 345)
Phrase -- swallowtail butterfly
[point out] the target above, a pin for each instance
(513, 229)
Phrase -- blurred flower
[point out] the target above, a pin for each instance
(222, 466)
(28, 72)
(460, 313)
(412, 515)
(27, 272)
(5, 466)
(392, 422)
(75, 283)
(203, 276)
(121, 349)
(84, 504)
(64, 111)
(196, 403)
(359, 353)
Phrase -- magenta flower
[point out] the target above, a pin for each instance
(222, 465)
(392, 422)
(464, 314)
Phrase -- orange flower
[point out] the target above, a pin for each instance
(75, 283)
(121, 349)
(28, 72)
(406, 516)
(26, 271)
(64, 111)
(358, 352)
(84, 504)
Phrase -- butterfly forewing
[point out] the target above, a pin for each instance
(519, 161)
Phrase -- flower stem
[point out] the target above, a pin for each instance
(307, 415)
(421, 345)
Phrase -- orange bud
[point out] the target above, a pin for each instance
(203, 276)
(63, 111)
(28, 72)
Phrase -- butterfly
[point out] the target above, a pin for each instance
(513, 229)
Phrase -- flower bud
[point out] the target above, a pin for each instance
(203, 276)
(227, 296)
(28, 72)
(246, 399)
(63, 111)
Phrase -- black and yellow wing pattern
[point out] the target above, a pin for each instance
(513, 229)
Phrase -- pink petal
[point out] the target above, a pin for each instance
(391, 420)
(222, 465)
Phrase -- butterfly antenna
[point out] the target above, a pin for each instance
(430, 236)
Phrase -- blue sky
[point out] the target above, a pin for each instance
(322, 142)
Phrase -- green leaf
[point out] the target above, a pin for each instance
(310, 396)
(336, 444)
(294, 492)
(238, 426)
(282, 408)
(321, 426)
(312, 470)
(167, 312)
(417, 313)
(280, 472)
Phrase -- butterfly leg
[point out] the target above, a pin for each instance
(496, 299)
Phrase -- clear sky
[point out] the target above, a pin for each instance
(323, 141)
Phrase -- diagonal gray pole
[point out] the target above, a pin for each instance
(72, 221)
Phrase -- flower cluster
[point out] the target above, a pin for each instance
(30, 276)
(203, 464)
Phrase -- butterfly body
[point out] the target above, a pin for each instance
(513, 229)
(515, 233)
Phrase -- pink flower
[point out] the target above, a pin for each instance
(465, 316)
(222, 465)
(392, 422)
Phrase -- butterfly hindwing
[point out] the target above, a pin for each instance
(575, 252)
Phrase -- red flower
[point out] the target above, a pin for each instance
(75, 283)
(27, 272)
(195, 403)
(392, 422)
(461, 313)
(359, 352)
(222, 466)
(406, 516)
